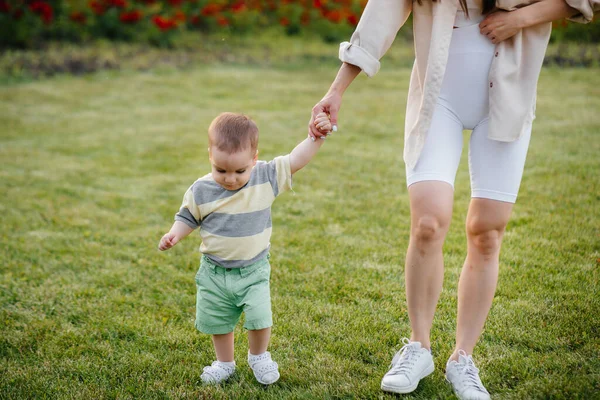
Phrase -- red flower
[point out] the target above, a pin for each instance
(4, 7)
(43, 9)
(317, 3)
(352, 19)
(97, 7)
(179, 16)
(195, 20)
(305, 18)
(130, 17)
(78, 16)
(163, 23)
(18, 13)
(238, 7)
(334, 16)
(116, 3)
(222, 21)
(175, 3)
(284, 21)
(210, 9)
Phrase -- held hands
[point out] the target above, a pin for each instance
(330, 106)
(167, 241)
(501, 25)
(323, 124)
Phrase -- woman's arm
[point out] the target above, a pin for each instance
(374, 34)
(501, 25)
(332, 101)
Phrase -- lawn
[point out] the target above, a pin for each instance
(94, 168)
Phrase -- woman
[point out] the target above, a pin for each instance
(477, 66)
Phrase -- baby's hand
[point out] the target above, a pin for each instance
(167, 241)
(322, 122)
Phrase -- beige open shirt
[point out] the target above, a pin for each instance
(513, 74)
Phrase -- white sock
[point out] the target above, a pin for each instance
(252, 357)
(230, 365)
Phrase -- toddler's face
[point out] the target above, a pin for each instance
(232, 171)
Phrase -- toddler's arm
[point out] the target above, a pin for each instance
(178, 231)
(306, 150)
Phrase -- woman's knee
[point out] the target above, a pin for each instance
(429, 229)
(485, 237)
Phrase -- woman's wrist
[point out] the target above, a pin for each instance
(344, 78)
(523, 18)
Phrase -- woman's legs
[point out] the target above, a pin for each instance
(496, 171)
(486, 222)
(431, 212)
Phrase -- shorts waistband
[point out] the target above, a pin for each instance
(243, 271)
(469, 39)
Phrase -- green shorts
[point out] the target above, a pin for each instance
(223, 293)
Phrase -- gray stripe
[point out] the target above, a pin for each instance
(237, 225)
(270, 169)
(184, 215)
(207, 190)
(237, 263)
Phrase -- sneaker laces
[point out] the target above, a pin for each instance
(404, 359)
(470, 373)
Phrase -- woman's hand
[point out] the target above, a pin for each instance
(330, 104)
(501, 25)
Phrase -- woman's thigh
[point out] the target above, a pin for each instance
(440, 156)
(496, 167)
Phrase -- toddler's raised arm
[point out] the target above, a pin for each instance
(305, 151)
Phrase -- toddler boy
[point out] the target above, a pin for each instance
(232, 207)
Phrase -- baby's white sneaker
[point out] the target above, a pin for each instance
(218, 372)
(411, 364)
(464, 378)
(266, 371)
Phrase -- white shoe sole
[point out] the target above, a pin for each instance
(407, 389)
(269, 382)
(458, 396)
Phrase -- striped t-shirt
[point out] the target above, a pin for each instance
(235, 225)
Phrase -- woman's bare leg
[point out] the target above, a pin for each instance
(431, 212)
(486, 222)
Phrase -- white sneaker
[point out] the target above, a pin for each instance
(411, 364)
(464, 378)
(217, 372)
(266, 371)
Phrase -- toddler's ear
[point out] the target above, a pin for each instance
(255, 159)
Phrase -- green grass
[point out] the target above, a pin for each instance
(94, 168)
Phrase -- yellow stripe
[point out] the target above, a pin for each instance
(190, 204)
(242, 248)
(253, 198)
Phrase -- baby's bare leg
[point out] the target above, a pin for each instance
(258, 340)
(224, 346)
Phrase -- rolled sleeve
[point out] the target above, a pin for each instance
(586, 9)
(375, 33)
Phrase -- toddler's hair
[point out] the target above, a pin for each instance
(231, 133)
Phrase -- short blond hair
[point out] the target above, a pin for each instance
(232, 133)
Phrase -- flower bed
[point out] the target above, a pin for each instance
(30, 23)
